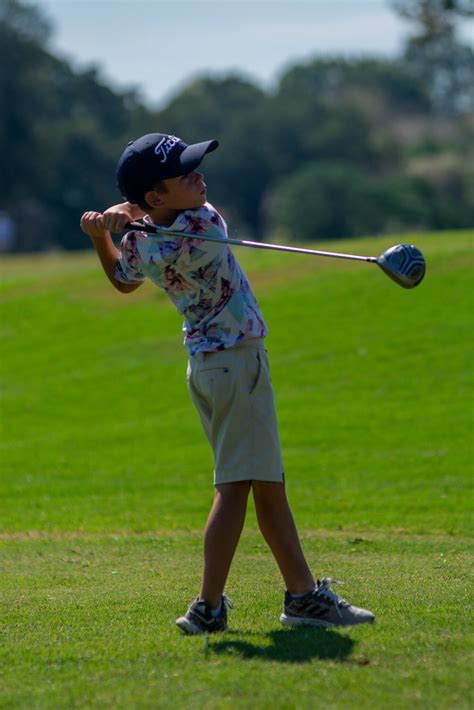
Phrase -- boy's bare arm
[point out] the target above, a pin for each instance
(92, 224)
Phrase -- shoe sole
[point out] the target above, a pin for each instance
(305, 621)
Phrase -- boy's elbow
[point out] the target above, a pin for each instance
(125, 288)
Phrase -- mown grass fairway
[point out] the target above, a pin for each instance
(107, 481)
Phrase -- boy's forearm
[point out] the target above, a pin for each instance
(109, 255)
(92, 224)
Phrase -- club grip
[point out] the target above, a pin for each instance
(141, 227)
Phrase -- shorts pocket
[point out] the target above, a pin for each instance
(256, 375)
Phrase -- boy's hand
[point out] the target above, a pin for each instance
(116, 217)
(92, 224)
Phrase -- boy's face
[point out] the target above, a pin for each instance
(182, 193)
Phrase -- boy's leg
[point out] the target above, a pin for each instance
(221, 536)
(278, 528)
(313, 605)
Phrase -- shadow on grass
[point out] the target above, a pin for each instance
(290, 646)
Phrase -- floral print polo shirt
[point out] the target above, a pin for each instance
(203, 279)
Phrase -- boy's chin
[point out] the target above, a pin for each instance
(197, 203)
(192, 205)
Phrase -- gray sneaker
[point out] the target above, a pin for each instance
(199, 620)
(322, 607)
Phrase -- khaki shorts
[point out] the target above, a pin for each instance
(233, 394)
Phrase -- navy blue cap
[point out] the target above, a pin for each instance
(155, 157)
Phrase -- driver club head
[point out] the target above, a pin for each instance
(404, 264)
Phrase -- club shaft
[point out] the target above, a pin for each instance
(154, 229)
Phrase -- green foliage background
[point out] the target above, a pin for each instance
(341, 146)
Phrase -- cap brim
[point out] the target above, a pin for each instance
(194, 153)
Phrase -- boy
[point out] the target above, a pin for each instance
(228, 372)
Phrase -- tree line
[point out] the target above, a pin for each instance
(339, 148)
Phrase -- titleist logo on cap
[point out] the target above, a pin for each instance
(165, 146)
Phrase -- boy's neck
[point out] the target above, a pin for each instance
(163, 215)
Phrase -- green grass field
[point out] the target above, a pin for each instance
(107, 481)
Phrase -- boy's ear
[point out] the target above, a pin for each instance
(153, 199)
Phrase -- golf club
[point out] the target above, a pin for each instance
(403, 263)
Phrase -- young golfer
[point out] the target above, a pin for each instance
(228, 372)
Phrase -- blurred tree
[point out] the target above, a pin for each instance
(341, 110)
(337, 80)
(24, 21)
(60, 134)
(325, 201)
(235, 112)
(340, 147)
(435, 53)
